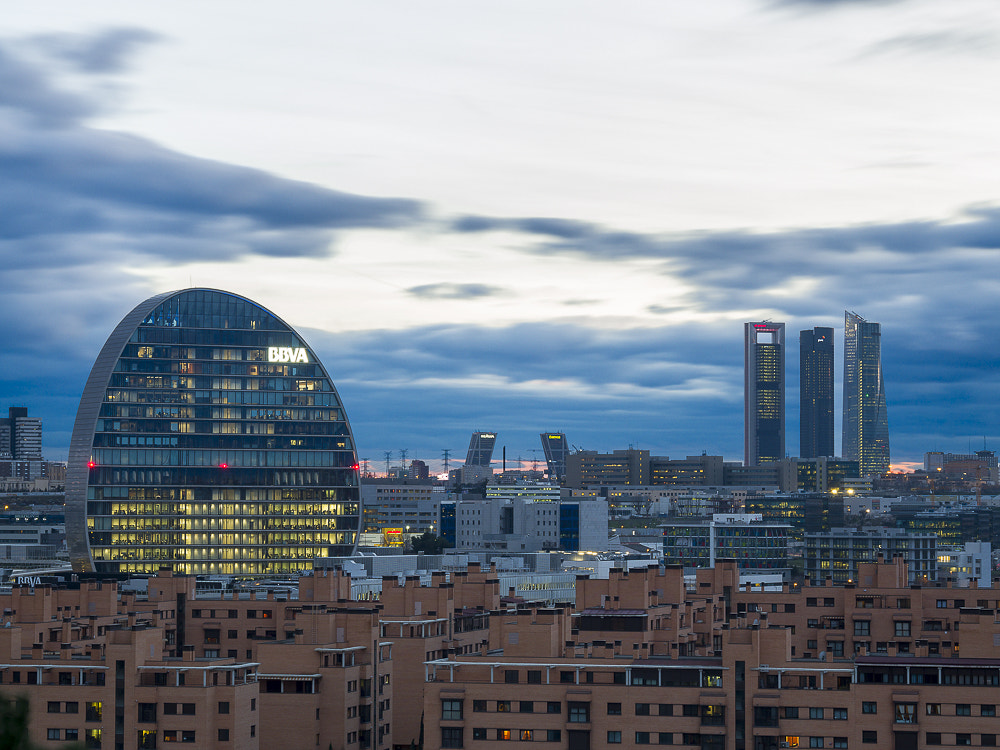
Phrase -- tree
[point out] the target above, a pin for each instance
(428, 543)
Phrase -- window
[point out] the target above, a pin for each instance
(535, 676)
(147, 713)
(614, 709)
(503, 734)
(812, 644)
(869, 736)
(52, 734)
(836, 648)
(840, 713)
(942, 603)
(553, 707)
(840, 742)
(988, 709)
(817, 742)
(553, 735)
(903, 603)
(815, 713)
(933, 709)
(451, 737)
(988, 740)
(53, 707)
(666, 709)
(666, 738)
(905, 713)
(862, 627)
(525, 735)
(642, 709)
(94, 711)
(903, 629)
(73, 734)
(451, 710)
(690, 709)
(527, 707)
(72, 707)
(614, 738)
(963, 709)
(511, 676)
(187, 709)
(503, 707)
(567, 676)
(479, 733)
(963, 739)
(642, 738)
(223, 735)
(478, 706)
(791, 712)
(223, 707)
(579, 713)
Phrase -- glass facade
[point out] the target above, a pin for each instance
(865, 423)
(209, 440)
(816, 393)
(764, 392)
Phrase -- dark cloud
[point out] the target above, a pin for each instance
(107, 51)
(454, 291)
(32, 100)
(60, 178)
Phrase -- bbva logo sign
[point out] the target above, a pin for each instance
(286, 354)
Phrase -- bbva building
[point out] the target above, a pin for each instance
(209, 440)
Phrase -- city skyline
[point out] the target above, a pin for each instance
(478, 221)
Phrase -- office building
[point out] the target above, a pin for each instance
(556, 451)
(629, 466)
(980, 466)
(693, 471)
(764, 392)
(837, 554)
(743, 537)
(209, 439)
(816, 393)
(481, 449)
(21, 435)
(865, 424)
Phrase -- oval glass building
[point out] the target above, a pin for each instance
(209, 439)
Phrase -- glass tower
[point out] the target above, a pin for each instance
(764, 392)
(816, 393)
(866, 424)
(209, 439)
(481, 449)
(556, 450)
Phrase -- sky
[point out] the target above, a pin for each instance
(515, 216)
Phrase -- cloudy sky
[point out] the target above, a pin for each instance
(515, 216)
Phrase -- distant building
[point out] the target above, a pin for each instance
(519, 524)
(816, 393)
(744, 537)
(837, 553)
(481, 449)
(764, 392)
(978, 466)
(823, 474)
(556, 451)
(585, 468)
(804, 512)
(20, 435)
(418, 470)
(865, 423)
(688, 472)
(970, 563)
(413, 508)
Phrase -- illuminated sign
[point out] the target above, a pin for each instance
(26, 580)
(286, 354)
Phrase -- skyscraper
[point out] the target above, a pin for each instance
(866, 424)
(556, 450)
(209, 439)
(764, 392)
(481, 449)
(816, 393)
